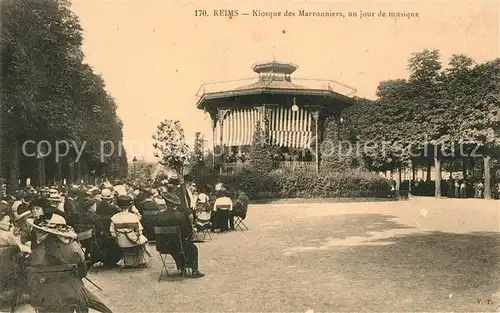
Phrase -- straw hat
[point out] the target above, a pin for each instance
(106, 194)
(23, 216)
(56, 225)
(56, 197)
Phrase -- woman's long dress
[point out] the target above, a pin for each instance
(60, 292)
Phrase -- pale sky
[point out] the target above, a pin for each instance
(154, 55)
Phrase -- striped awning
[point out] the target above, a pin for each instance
(239, 127)
(290, 129)
(286, 127)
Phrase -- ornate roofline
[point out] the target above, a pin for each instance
(274, 67)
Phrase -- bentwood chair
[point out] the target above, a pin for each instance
(169, 242)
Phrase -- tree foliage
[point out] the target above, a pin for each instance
(197, 154)
(48, 92)
(435, 109)
(260, 157)
(170, 145)
(337, 153)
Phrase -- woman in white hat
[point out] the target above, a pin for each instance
(55, 271)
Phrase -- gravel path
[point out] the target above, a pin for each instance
(417, 255)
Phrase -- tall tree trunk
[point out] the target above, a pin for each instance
(398, 179)
(85, 171)
(472, 163)
(464, 167)
(71, 179)
(437, 179)
(2, 140)
(452, 168)
(14, 172)
(78, 177)
(487, 177)
(58, 179)
(429, 168)
(41, 172)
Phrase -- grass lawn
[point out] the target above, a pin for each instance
(417, 255)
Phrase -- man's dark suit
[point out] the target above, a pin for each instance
(72, 211)
(112, 253)
(149, 209)
(170, 218)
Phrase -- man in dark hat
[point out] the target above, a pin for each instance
(90, 220)
(170, 217)
(71, 208)
(111, 252)
(148, 209)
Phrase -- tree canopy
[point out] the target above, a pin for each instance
(171, 148)
(48, 92)
(433, 110)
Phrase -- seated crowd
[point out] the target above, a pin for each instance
(114, 223)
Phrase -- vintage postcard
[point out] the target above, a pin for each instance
(249, 156)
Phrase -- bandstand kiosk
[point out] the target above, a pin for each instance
(292, 114)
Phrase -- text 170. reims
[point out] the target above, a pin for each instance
(230, 13)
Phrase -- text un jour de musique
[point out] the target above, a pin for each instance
(304, 13)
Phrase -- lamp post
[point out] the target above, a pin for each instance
(134, 160)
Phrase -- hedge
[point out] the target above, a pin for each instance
(303, 184)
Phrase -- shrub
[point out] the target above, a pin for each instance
(302, 184)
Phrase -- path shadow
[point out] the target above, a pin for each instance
(431, 271)
(388, 268)
(361, 224)
(319, 230)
